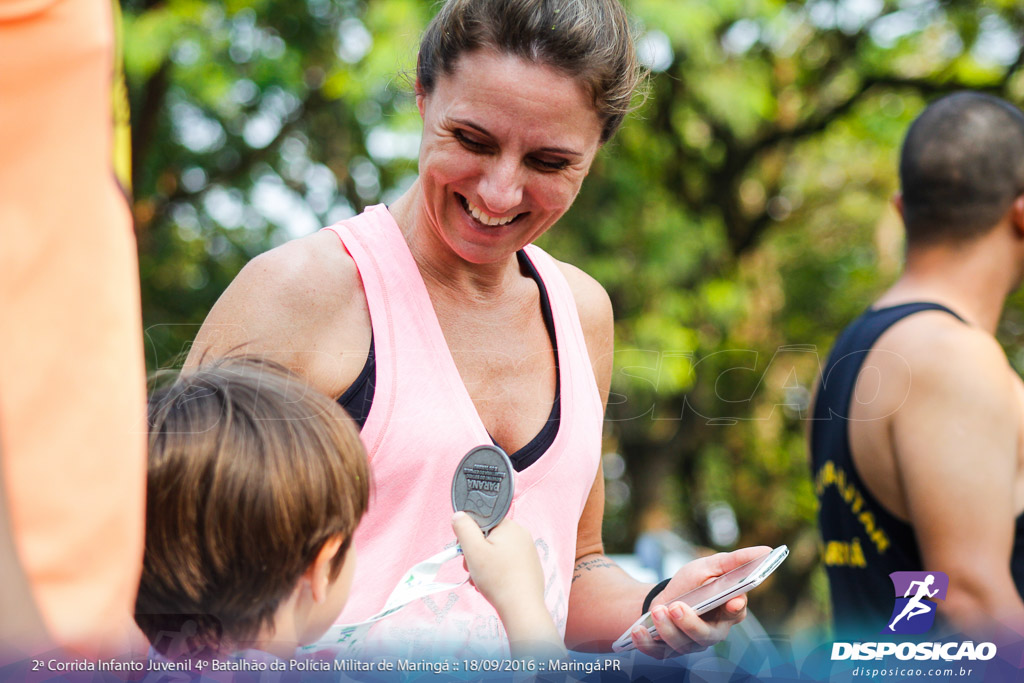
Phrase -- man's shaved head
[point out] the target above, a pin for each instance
(961, 167)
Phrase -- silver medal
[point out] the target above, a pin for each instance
(483, 486)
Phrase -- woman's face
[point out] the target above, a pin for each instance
(506, 145)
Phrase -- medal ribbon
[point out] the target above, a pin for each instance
(418, 582)
(488, 464)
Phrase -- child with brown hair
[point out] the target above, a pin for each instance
(256, 484)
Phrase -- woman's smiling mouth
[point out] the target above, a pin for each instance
(481, 217)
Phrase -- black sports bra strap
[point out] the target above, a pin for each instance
(358, 398)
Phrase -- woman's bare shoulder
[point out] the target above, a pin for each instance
(596, 319)
(305, 280)
(301, 303)
(592, 302)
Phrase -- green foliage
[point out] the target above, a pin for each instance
(738, 220)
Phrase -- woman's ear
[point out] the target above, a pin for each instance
(1017, 215)
(897, 202)
(421, 98)
(319, 572)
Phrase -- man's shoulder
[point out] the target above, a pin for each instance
(936, 393)
(930, 363)
(935, 342)
(948, 372)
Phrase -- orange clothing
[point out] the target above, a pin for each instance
(72, 376)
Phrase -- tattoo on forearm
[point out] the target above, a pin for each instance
(582, 566)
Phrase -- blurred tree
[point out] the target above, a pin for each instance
(738, 221)
(254, 122)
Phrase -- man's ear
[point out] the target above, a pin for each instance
(897, 202)
(318, 574)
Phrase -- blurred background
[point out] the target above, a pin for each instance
(739, 219)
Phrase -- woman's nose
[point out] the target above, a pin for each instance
(501, 188)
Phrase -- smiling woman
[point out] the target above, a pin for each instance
(506, 145)
(440, 327)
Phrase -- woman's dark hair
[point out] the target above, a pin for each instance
(590, 40)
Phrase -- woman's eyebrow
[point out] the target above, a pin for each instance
(474, 126)
(561, 150)
(551, 150)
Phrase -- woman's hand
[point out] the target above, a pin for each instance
(680, 630)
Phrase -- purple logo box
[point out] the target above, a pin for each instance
(915, 606)
(902, 580)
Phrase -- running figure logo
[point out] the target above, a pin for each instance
(915, 611)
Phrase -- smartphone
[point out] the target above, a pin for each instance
(716, 592)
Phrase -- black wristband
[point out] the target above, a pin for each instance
(653, 594)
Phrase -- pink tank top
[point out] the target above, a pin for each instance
(422, 423)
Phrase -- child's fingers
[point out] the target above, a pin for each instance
(467, 531)
(512, 537)
(509, 528)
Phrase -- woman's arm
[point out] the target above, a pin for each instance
(603, 600)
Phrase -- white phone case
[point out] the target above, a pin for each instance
(723, 588)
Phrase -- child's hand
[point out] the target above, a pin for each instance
(504, 565)
(505, 568)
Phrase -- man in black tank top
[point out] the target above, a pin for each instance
(916, 441)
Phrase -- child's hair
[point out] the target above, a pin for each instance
(251, 471)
